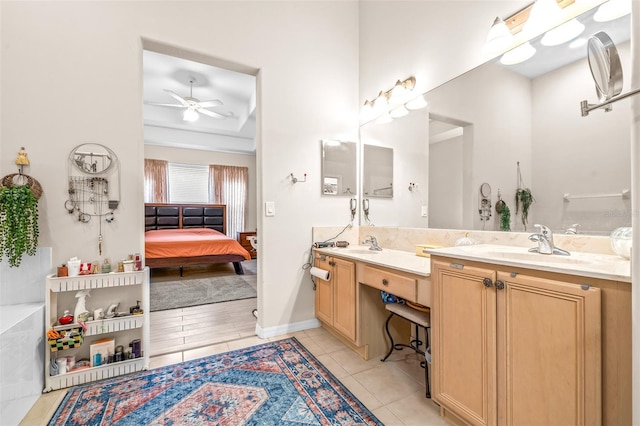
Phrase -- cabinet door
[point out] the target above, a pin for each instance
(463, 315)
(324, 292)
(548, 352)
(344, 302)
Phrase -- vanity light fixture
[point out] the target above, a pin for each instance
(393, 103)
(544, 15)
(498, 39)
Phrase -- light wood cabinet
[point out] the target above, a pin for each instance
(512, 348)
(336, 303)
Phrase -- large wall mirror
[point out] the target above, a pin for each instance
(339, 167)
(518, 126)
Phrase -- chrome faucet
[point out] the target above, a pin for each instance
(373, 242)
(544, 238)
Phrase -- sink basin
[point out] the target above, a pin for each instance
(360, 251)
(520, 254)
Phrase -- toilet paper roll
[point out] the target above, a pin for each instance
(320, 273)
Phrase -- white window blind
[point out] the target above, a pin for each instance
(188, 183)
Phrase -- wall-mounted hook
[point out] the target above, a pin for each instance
(296, 180)
(413, 186)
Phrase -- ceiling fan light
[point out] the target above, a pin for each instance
(565, 32)
(190, 115)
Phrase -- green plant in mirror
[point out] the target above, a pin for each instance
(505, 218)
(524, 199)
(18, 223)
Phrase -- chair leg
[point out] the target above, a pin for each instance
(386, 327)
(426, 364)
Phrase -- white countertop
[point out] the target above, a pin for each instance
(609, 267)
(388, 258)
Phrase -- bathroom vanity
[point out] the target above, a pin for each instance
(523, 338)
(517, 337)
(349, 304)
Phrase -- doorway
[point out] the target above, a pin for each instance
(200, 111)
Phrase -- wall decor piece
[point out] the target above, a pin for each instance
(93, 184)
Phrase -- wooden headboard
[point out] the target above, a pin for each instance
(178, 216)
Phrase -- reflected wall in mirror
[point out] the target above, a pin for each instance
(482, 123)
(339, 166)
(377, 172)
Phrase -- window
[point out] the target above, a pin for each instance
(188, 183)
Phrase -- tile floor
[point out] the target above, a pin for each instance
(393, 390)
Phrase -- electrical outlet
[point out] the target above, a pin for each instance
(424, 211)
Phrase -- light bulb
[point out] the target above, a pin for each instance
(190, 115)
(544, 14)
(498, 39)
(366, 113)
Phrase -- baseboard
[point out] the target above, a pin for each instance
(279, 330)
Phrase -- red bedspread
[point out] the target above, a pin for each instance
(191, 242)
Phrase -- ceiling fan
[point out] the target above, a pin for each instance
(193, 106)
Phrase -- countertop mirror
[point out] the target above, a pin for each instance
(478, 126)
(339, 167)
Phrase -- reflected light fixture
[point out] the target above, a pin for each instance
(498, 39)
(519, 54)
(613, 9)
(190, 115)
(416, 103)
(563, 33)
(398, 112)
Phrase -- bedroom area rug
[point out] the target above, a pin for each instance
(276, 383)
(200, 291)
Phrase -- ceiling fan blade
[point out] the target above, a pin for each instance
(209, 104)
(211, 113)
(165, 105)
(177, 97)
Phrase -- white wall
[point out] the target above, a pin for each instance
(194, 156)
(445, 184)
(72, 73)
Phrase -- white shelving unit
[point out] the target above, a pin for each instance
(125, 288)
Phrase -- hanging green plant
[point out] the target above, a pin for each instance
(18, 223)
(524, 199)
(505, 217)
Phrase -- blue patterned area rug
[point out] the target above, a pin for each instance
(276, 383)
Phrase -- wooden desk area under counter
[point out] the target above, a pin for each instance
(400, 273)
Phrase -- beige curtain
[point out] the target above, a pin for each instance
(228, 185)
(156, 182)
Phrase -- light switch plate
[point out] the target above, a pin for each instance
(424, 211)
(270, 208)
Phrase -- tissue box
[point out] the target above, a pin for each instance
(421, 249)
(71, 338)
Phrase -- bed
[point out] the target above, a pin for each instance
(189, 234)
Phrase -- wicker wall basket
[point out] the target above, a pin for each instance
(19, 179)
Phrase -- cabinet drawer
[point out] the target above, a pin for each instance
(398, 285)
